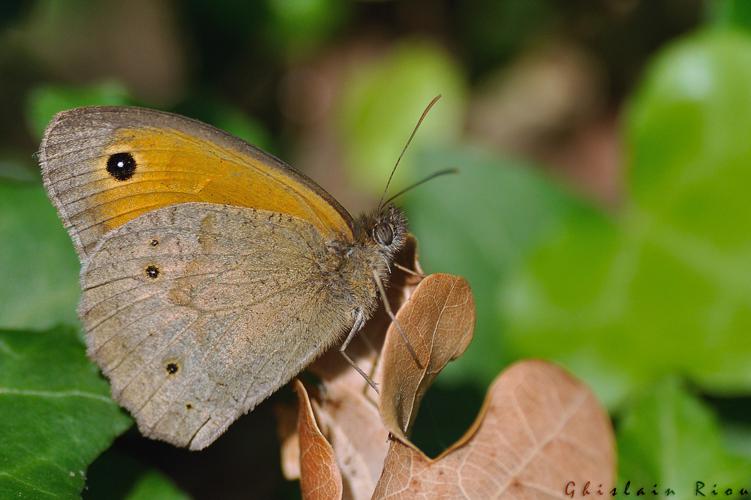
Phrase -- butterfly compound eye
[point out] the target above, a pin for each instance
(383, 233)
(121, 166)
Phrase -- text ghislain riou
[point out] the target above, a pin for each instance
(700, 489)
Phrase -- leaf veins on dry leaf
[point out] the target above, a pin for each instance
(538, 428)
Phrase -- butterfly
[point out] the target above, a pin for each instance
(212, 272)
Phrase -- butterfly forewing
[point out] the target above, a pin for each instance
(105, 166)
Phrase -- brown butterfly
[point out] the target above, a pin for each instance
(212, 273)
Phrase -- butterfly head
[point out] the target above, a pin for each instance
(387, 229)
(384, 230)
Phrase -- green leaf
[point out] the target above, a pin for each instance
(382, 103)
(47, 100)
(480, 224)
(670, 438)
(665, 286)
(39, 268)
(56, 415)
(115, 475)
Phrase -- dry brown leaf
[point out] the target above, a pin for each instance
(289, 441)
(538, 429)
(438, 320)
(319, 475)
(358, 438)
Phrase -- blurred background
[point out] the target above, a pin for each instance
(601, 211)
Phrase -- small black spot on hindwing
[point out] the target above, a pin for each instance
(154, 242)
(152, 271)
(172, 368)
(121, 166)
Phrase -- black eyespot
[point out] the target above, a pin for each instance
(154, 242)
(172, 368)
(383, 233)
(121, 166)
(188, 406)
(152, 271)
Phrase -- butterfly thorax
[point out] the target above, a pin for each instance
(378, 237)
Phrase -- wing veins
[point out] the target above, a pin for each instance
(218, 342)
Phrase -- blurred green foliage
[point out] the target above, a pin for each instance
(302, 24)
(382, 102)
(662, 287)
(481, 224)
(645, 298)
(669, 438)
(116, 475)
(46, 100)
(730, 13)
(40, 268)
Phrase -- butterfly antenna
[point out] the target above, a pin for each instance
(423, 181)
(404, 149)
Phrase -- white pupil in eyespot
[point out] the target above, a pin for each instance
(120, 164)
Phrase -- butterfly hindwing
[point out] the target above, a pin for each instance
(196, 312)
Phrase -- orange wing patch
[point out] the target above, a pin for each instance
(172, 167)
(177, 160)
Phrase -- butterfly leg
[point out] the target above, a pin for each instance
(408, 270)
(356, 327)
(387, 307)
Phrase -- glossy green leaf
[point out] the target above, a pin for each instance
(39, 268)
(670, 438)
(56, 415)
(664, 286)
(383, 101)
(480, 223)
